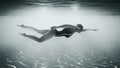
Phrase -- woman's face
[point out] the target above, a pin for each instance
(79, 29)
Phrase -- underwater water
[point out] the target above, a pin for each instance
(92, 49)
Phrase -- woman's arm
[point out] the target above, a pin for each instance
(90, 30)
(66, 26)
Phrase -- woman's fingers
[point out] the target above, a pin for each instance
(95, 29)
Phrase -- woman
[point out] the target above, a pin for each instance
(68, 30)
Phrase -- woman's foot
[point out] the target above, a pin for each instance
(23, 34)
(22, 25)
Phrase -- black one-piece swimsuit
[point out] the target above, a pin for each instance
(67, 32)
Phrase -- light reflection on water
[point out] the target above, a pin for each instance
(85, 50)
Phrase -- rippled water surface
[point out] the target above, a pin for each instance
(90, 49)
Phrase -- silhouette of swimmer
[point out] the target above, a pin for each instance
(68, 31)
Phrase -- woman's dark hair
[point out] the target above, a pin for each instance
(80, 26)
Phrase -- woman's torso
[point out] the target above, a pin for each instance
(67, 32)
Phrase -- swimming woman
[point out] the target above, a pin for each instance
(68, 31)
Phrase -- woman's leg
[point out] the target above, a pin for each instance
(45, 37)
(34, 29)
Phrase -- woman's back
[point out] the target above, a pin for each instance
(67, 32)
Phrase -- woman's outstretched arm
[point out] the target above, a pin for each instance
(90, 30)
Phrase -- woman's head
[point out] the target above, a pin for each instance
(79, 27)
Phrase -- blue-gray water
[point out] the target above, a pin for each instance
(91, 49)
